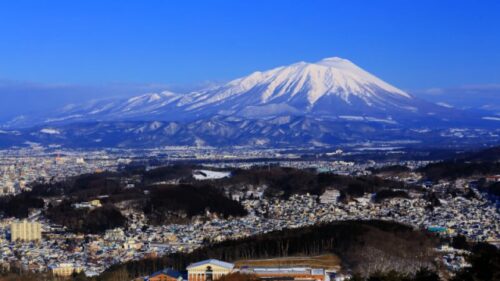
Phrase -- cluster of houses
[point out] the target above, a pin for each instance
(213, 269)
(19, 168)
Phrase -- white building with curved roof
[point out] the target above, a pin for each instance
(197, 271)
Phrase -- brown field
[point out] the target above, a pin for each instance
(323, 261)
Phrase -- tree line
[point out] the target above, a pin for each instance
(364, 246)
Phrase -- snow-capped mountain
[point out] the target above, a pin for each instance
(332, 87)
(325, 102)
(136, 107)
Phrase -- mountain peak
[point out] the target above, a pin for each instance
(338, 63)
(334, 60)
(303, 85)
(331, 87)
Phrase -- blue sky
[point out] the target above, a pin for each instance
(411, 44)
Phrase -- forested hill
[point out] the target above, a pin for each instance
(364, 246)
(486, 155)
(477, 163)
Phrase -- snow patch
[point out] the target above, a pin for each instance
(63, 118)
(373, 119)
(367, 119)
(351, 117)
(50, 131)
(210, 175)
(491, 118)
(443, 104)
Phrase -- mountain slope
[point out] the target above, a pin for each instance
(331, 87)
(283, 131)
(321, 103)
(300, 88)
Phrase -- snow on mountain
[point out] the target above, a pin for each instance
(300, 88)
(147, 106)
(492, 118)
(332, 87)
(313, 104)
(443, 104)
(50, 131)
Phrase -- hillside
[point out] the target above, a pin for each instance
(321, 261)
(365, 247)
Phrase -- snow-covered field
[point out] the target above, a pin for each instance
(210, 175)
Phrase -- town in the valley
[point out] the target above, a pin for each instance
(36, 244)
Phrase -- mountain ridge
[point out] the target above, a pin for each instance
(326, 102)
(298, 89)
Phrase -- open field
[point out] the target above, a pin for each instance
(323, 261)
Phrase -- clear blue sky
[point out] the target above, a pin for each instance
(411, 44)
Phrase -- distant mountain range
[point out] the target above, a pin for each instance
(328, 102)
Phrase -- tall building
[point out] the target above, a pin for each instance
(25, 231)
